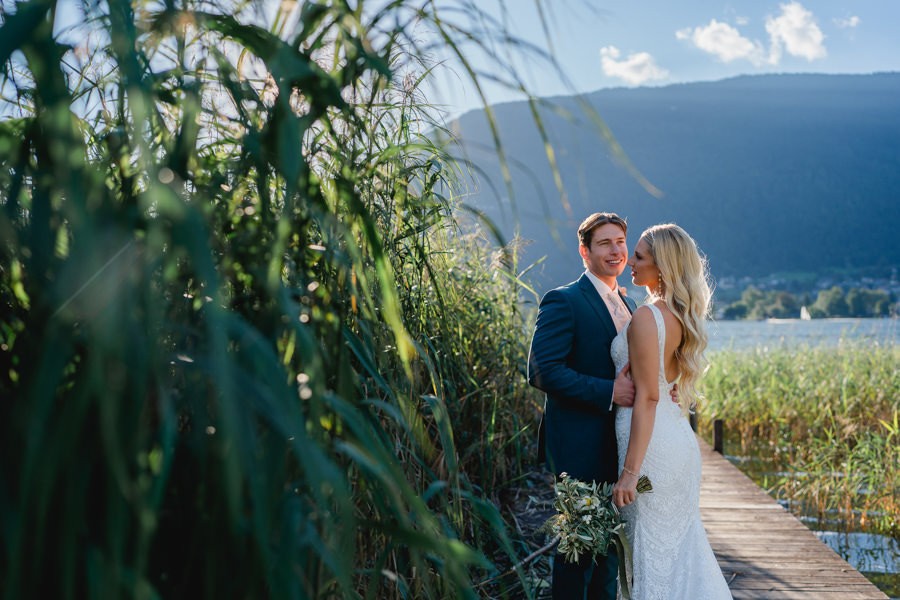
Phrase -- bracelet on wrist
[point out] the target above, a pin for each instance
(627, 470)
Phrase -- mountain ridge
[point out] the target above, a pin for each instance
(769, 173)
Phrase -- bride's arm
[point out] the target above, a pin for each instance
(643, 351)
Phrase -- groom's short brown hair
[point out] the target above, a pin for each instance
(587, 227)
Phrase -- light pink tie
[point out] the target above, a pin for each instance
(619, 314)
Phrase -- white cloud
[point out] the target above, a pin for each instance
(795, 30)
(849, 22)
(634, 70)
(742, 21)
(723, 41)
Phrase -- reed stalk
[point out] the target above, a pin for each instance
(246, 347)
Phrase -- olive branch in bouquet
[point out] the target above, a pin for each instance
(588, 522)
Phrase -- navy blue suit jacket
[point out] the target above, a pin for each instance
(570, 361)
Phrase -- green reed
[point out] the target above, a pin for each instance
(828, 416)
(245, 349)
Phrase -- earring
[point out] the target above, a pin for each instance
(660, 286)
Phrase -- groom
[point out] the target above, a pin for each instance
(570, 361)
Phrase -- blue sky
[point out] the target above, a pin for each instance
(613, 43)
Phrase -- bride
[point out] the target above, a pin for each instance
(664, 344)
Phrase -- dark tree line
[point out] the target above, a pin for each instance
(833, 302)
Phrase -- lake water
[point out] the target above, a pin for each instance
(795, 333)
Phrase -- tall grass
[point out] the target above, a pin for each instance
(245, 350)
(828, 417)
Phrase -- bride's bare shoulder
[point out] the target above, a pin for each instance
(643, 312)
(642, 322)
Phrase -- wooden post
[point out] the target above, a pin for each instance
(718, 427)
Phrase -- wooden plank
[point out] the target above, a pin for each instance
(763, 550)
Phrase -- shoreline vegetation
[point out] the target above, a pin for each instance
(828, 419)
(817, 427)
(247, 348)
(834, 302)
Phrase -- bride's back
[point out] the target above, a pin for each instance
(674, 333)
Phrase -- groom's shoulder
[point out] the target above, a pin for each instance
(565, 290)
(572, 286)
(564, 295)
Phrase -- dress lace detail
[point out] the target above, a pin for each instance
(672, 556)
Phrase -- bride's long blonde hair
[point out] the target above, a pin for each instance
(685, 288)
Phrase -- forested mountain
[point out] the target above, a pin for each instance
(775, 173)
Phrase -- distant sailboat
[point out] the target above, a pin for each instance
(804, 314)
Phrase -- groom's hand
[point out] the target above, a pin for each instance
(623, 388)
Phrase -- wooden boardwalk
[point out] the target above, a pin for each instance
(763, 550)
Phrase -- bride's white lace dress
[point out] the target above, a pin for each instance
(672, 556)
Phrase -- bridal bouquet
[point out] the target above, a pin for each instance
(587, 522)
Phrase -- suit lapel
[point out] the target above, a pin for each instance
(597, 303)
